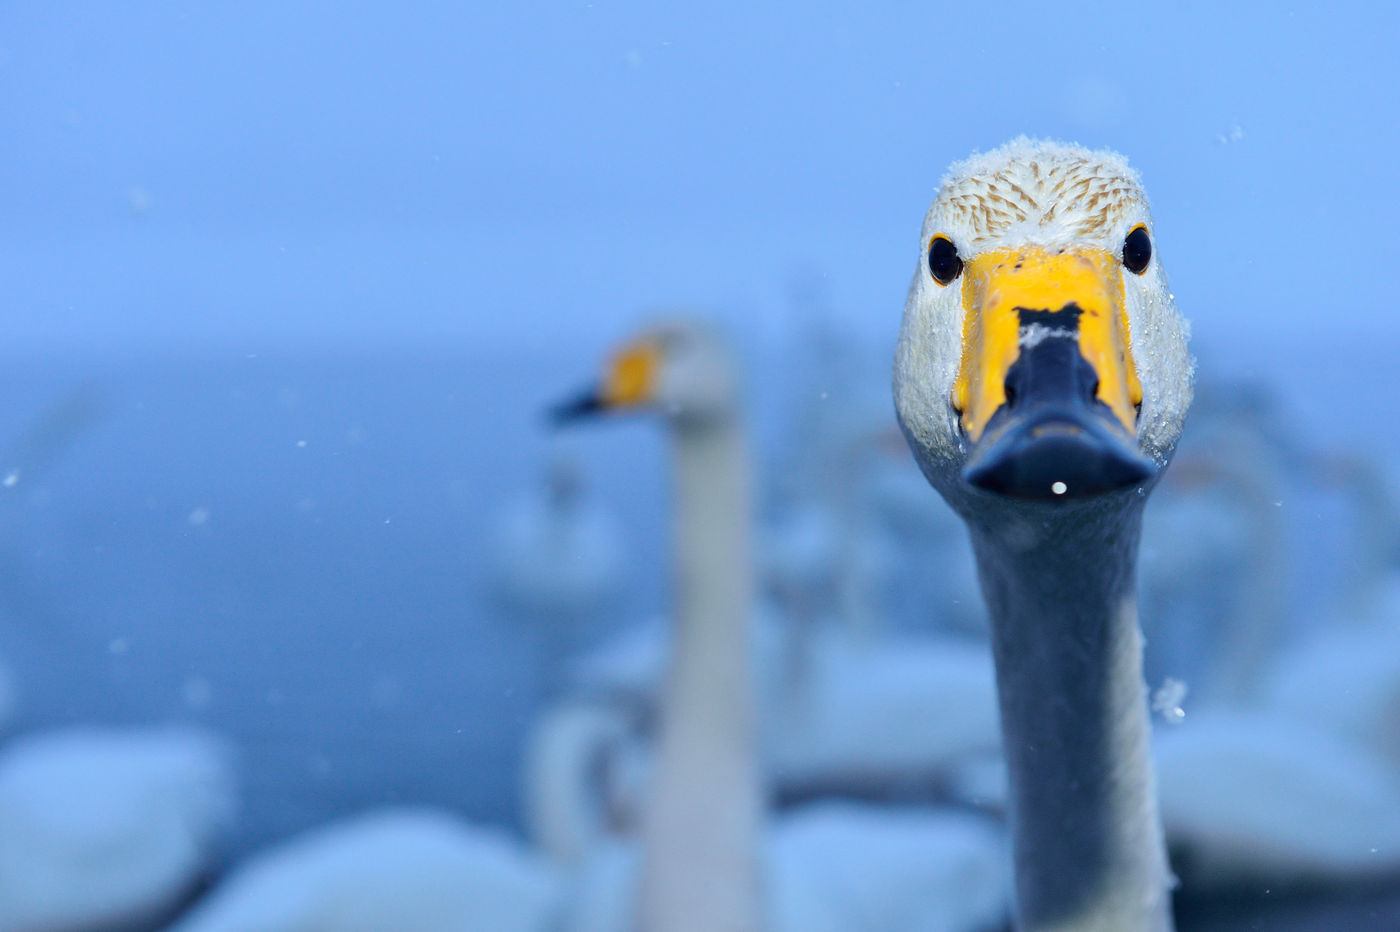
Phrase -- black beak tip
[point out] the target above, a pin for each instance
(566, 412)
(1057, 460)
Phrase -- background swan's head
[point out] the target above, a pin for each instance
(1041, 353)
(679, 367)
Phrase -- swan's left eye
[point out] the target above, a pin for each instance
(943, 260)
(1137, 250)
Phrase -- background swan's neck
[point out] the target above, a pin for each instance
(1088, 841)
(701, 862)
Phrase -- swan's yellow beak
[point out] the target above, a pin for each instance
(1047, 390)
(629, 381)
(1003, 288)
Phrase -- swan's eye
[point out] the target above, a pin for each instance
(1137, 250)
(943, 261)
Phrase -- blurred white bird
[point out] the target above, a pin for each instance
(1342, 674)
(105, 828)
(1263, 796)
(876, 719)
(835, 867)
(703, 854)
(866, 714)
(404, 870)
(877, 714)
(830, 867)
(701, 821)
(1215, 581)
(557, 565)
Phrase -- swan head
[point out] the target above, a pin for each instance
(1041, 354)
(678, 367)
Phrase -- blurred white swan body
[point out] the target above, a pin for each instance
(405, 870)
(885, 711)
(585, 770)
(835, 867)
(831, 867)
(1346, 682)
(866, 712)
(828, 866)
(838, 866)
(1260, 796)
(103, 828)
(1343, 674)
(1304, 784)
(557, 555)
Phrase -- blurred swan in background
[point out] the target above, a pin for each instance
(1215, 580)
(108, 828)
(702, 853)
(865, 704)
(557, 554)
(630, 668)
(835, 866)
(839, 866)
(1343, 675)
(586, 766)
(822, 555)
(1039, 419)
(1287, 767)
(926, 533)
(830, 867)
(556, 566)
(844, 707)
(1267, 797)
(869, 716)
(884, 715)
(702, 819)
(408, 870)
(1345, 682)
(844, 704)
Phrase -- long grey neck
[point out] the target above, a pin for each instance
(701, 831)
(1088, 842)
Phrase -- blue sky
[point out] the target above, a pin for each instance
(311, 175)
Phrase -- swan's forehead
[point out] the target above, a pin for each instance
(1048, 195)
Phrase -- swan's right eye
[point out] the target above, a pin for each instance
(944, 263)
